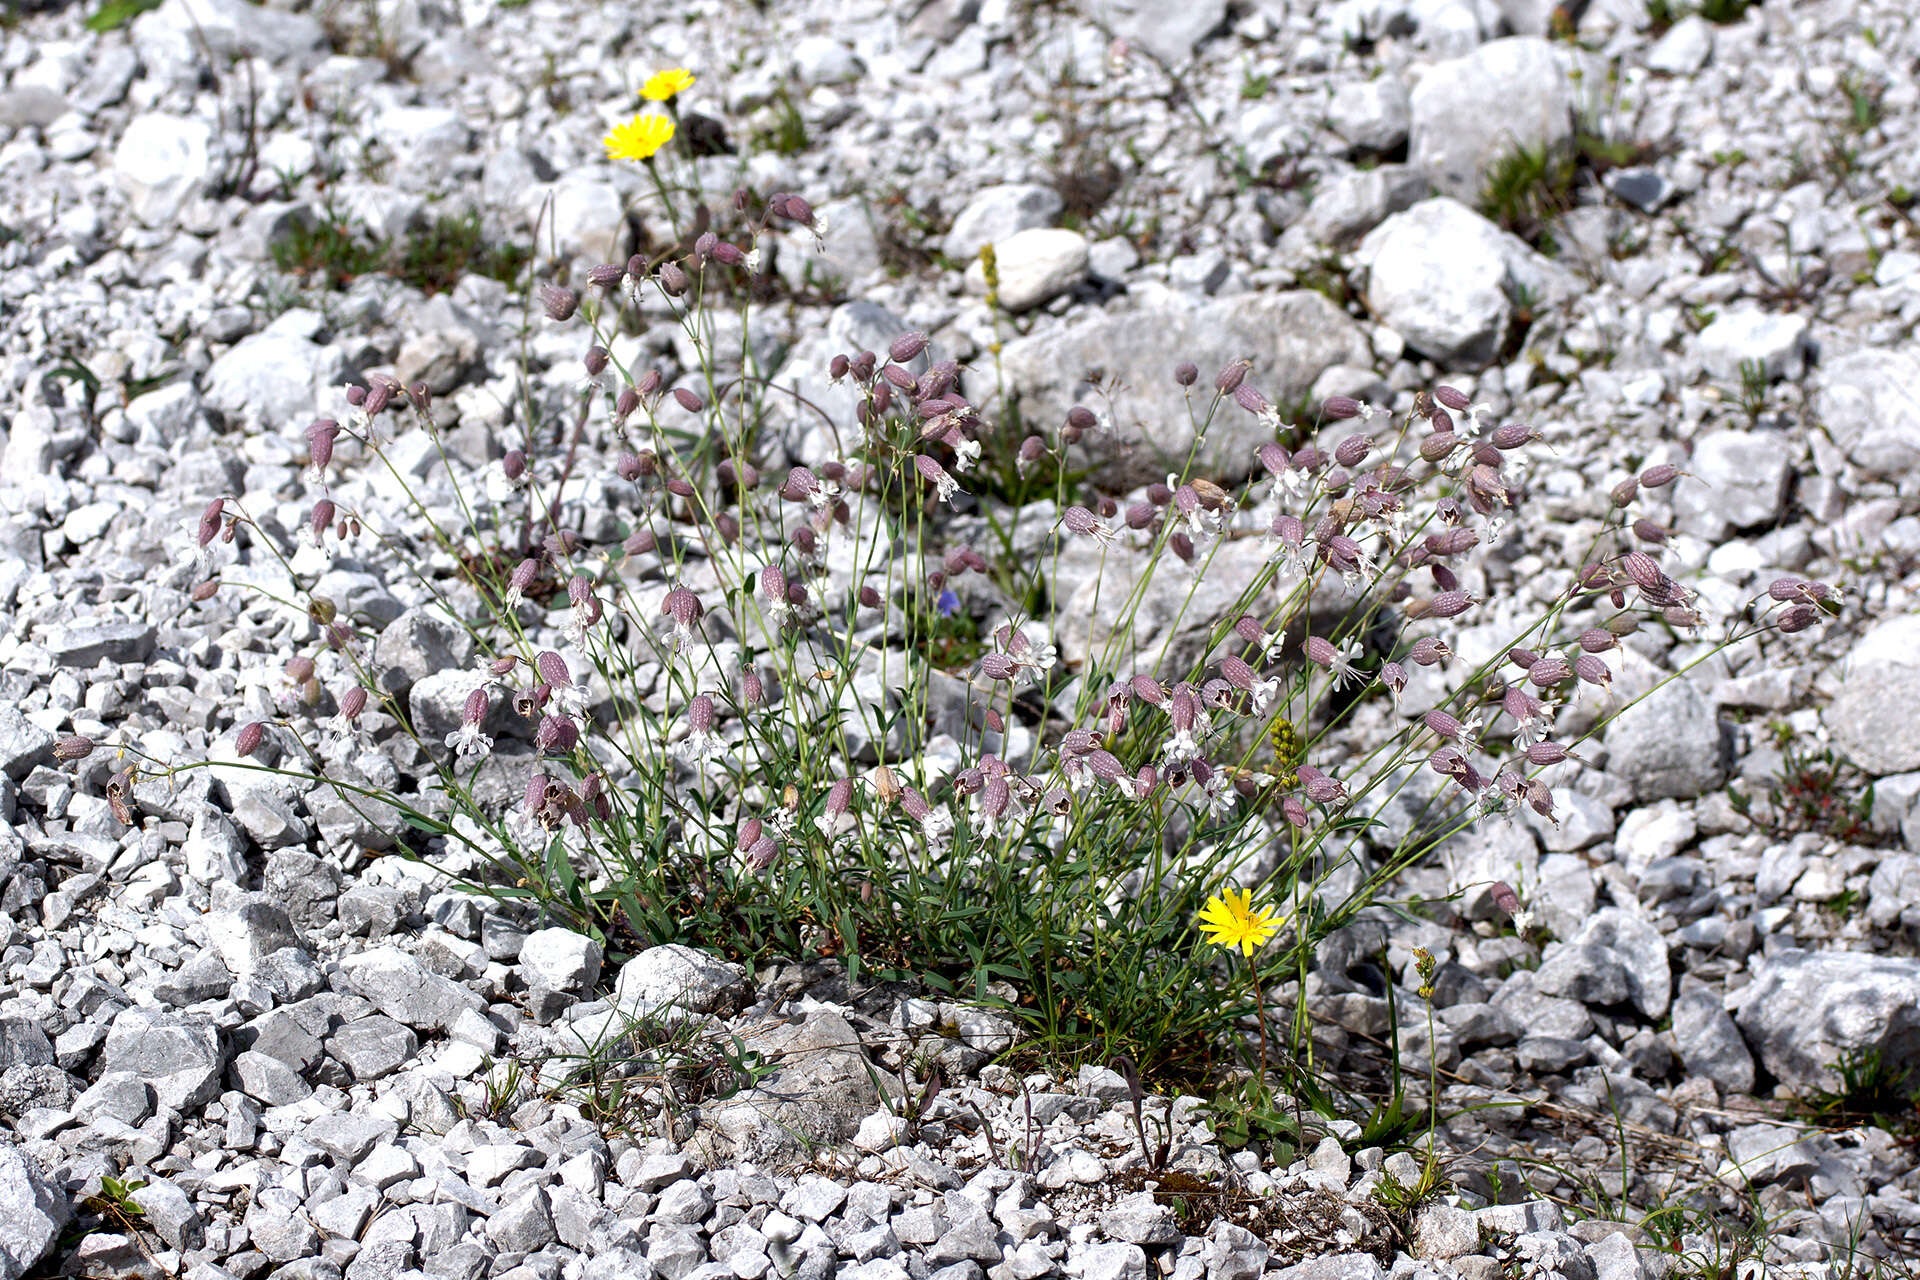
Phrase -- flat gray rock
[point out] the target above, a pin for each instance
(406, 990)
(1291, 338)
(1805, 1009)
(31, 1214)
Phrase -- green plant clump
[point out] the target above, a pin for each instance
(940, 703)
(330, 252)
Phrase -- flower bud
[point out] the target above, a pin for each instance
(687, 400)
(596, 360)
(559, 301)
(321, 518)
(1340, 408)
(1186, 373)
(514, 465)
(606, 275)
(1797, 617)
(210, 520)
(1625, 492)
(1656, 476)
(906, 347)
(73, 747)
(673, 279)
(1352, 451)
(557, 733)
(247, 741)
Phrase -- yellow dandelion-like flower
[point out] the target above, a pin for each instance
(1229, 920)
(662, 85)
(639, 138)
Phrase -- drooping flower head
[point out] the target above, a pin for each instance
(1230, 920)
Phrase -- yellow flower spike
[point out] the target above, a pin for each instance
(662, 85)
(639, 138)
(1229, 920)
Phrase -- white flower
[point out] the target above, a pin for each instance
(965, 453)
(499, 486)
(699, 747)
(937, 826)
(1342, 668)
(1183, 746)
(467, 741)
(1265, 694)
(1220, 797)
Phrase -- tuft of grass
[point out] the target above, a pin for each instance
(115, 14)
(1813, 790)
(434, 258)
(1724, 12)
(1755, 382)
(331, 253)
(1874, 1089)
(786, 135)
(327, 251)
(1527, 188)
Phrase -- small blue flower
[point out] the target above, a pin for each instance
(947, 603)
